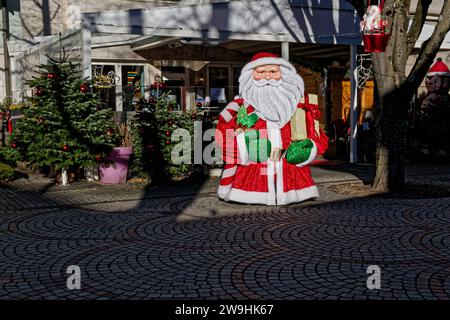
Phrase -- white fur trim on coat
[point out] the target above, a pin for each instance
(253, 197)
(242, 148)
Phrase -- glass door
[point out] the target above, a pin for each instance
(218, 87)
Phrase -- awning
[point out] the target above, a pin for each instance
(301, 21)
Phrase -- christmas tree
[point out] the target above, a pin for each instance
(63, 125)
(152, 130)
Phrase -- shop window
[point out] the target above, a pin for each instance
(174, 79)
(132, 86)
(104, 83)
(236, 74)
(218, 87)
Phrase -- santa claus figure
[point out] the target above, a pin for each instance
(437, 83)
(269, 135)
(371, 20)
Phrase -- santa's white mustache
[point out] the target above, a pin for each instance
(271, 82)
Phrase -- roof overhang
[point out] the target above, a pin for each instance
(302, 21)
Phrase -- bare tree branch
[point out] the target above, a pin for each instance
(420, 16)
(430, 48)
(401, 53)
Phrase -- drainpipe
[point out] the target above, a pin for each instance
(5, 32)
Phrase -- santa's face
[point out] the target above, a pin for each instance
(267, 72)
(273, 90)
(433, 83)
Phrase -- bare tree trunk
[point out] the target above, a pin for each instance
(396, 88)
(390, 74)
(391, 132)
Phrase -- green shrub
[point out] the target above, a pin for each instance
(6, 172)
(151, 131)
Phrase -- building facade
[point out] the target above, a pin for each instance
(197, 48)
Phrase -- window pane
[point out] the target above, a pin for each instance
(133, 86)
(104, 79)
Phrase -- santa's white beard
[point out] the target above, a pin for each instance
(274, 101)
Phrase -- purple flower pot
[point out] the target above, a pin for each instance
(115, 170)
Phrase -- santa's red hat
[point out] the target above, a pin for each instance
(265, 58)
(439, 69)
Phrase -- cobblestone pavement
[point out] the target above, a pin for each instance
(134, 244)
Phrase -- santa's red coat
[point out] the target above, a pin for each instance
(269, 182)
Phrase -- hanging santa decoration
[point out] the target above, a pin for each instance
(375, 29)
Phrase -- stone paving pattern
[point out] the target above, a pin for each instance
(183, 243)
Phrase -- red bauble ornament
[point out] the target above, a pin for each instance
(98, 157)
(13, 145)
(52, 75)
(110, 132)
(39, 91)
(199, 105)
(84, 88)
(65, 148)
(168, 133)
(167, 142)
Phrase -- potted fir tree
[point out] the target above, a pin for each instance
(114, 170)
(63, 126)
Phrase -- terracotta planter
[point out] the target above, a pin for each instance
(115, 169)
